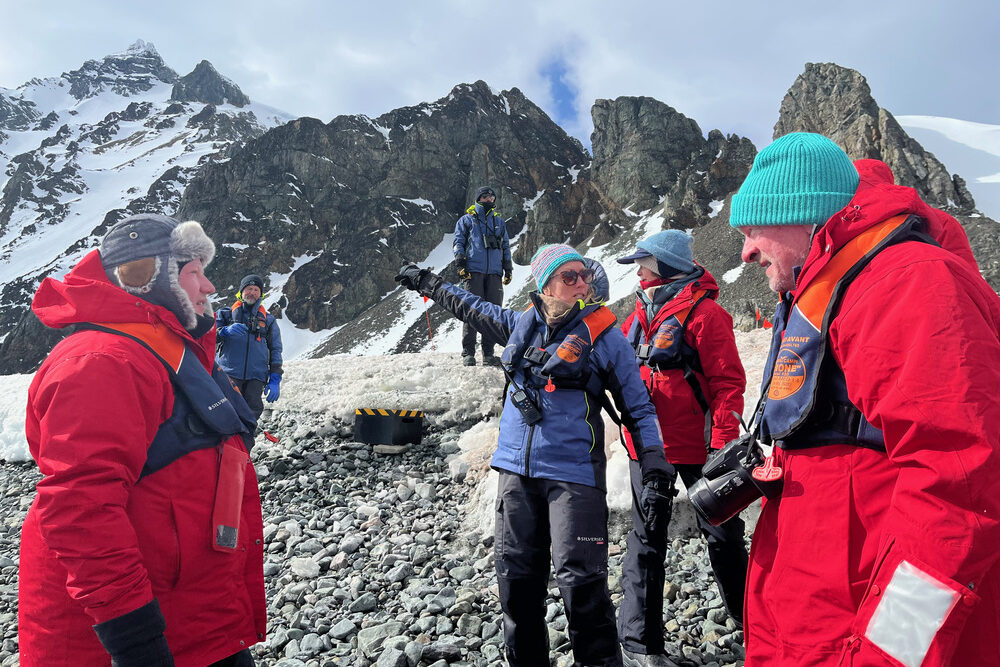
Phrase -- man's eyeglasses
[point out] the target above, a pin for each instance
(570, 277)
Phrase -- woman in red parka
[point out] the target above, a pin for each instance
(143, 544)
(687, 354)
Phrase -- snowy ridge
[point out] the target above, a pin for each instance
(974, 147)
(90, 154)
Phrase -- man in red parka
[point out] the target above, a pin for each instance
(143, 544)
(687, 355)
(880, 398)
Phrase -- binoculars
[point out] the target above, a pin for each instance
(728, 485)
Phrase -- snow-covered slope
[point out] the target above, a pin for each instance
(969, 149)
(104, 139)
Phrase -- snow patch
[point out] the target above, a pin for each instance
(981, 136)
(422, 203)
(732, 275)
(529, 204)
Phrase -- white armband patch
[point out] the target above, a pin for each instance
(910, 613)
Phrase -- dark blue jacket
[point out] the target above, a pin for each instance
(567, 445)
(255, 354)
(471, 231)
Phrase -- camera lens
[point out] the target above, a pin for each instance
(722, 498)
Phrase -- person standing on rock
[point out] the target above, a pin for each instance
(250, 345)
(482, 255)
(142, 547)
(880, 398)
(561, 356)
(686, 351)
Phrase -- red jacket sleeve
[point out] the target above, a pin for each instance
(91, 418)
(710, 332)
(918, 338)
(627, 324)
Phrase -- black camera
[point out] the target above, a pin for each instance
(728, 485)
(529, 411)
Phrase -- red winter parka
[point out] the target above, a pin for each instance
(98, 542)
(708, 331)
(866, 554)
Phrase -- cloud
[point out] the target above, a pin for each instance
(725, 64)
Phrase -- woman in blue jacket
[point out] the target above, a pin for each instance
(561, 355)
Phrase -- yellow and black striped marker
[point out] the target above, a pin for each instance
(389, 413)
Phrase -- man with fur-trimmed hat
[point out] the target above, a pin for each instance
(142, 547)
(686, 352)
(880, 398)
(250, 345)
(482, 255)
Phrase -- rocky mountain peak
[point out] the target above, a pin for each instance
(141, 48)
(640, 147)
(205, 84)
(480, 91)
(135, 71)
(837, 102)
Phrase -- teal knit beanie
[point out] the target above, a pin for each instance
(800, 179)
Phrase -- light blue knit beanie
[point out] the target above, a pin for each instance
(550, 257)
(800, 179)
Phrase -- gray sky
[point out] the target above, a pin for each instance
(725, 64)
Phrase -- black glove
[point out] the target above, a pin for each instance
(508, 272)
(463, 267)
(136, 639)
(420, 280)
(657, 495)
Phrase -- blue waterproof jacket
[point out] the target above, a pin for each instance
(254, 354)
(471, 232)
(567, 445)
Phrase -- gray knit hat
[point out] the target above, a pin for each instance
(143, 254)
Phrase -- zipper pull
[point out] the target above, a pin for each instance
(549, 387)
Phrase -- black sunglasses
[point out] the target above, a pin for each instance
(570, 277)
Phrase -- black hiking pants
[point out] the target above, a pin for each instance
(640, 619)
(252, 391)
(532, 516)
(242, 659)
(489, 287)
